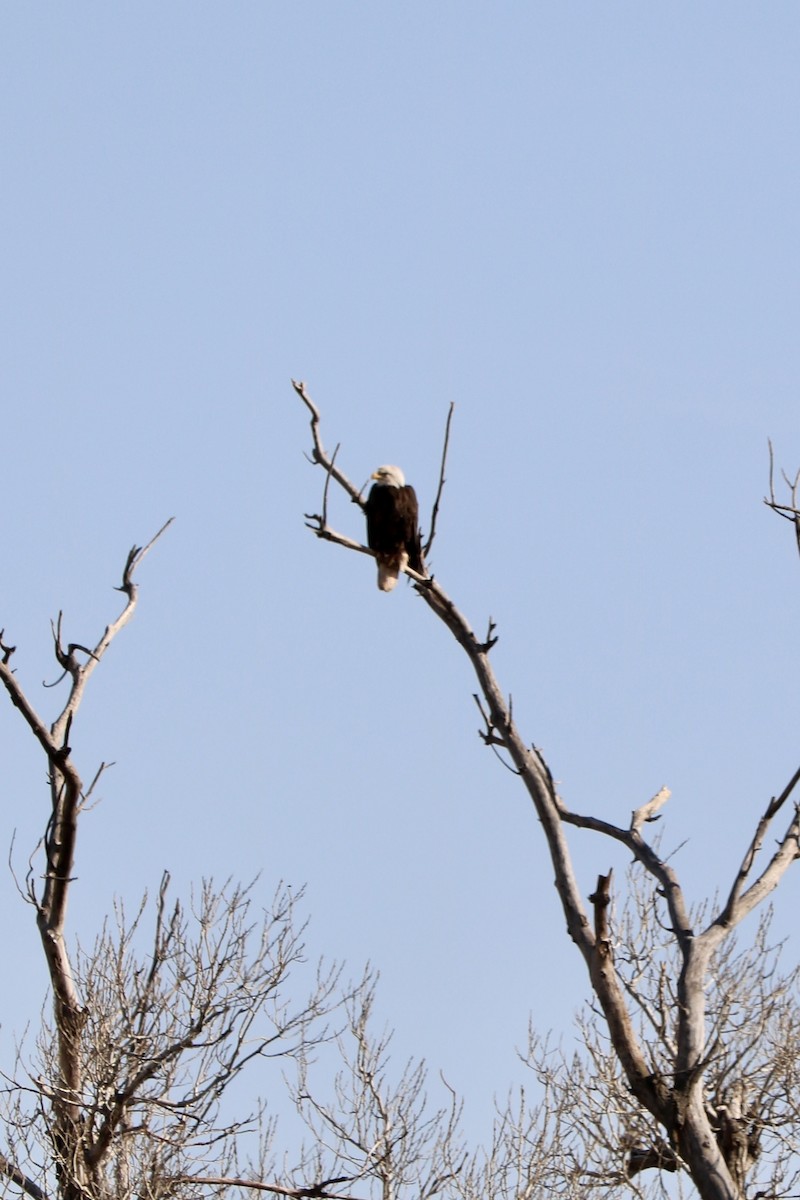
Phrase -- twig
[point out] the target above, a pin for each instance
(491, 637)
(790, 512)
(24, 894)
(7, 651)
(771, 471)
(488, 736)
(325, 490)
(435, 510)
(135, 556)
(87, 793)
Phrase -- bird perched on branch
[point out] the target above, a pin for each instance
(393, 526)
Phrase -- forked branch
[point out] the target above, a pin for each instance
(740, 901)
(790, 511)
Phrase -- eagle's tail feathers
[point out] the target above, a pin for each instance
(389, 570)
(387, 577)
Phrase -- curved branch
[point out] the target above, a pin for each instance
(644, 853)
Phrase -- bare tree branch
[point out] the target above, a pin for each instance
(318, 454)
(26, 1185)
(677, 1102)
(739, 904)
(791, 511)
(435, 510)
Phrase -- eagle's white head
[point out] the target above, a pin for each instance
(389, 477)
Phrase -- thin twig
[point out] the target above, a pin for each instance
(327, 484)
(7, 651)
(136, 555)
(790, 512)
(771, 471)
(435, 510)
(87, 793)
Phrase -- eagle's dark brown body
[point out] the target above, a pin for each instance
(393, 526)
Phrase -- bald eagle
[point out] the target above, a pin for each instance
(393, 526)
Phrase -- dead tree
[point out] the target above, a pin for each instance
(708, 1135)
(123, 1095)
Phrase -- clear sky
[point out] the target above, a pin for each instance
(580, 223)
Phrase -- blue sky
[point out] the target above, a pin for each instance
(577, 222)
